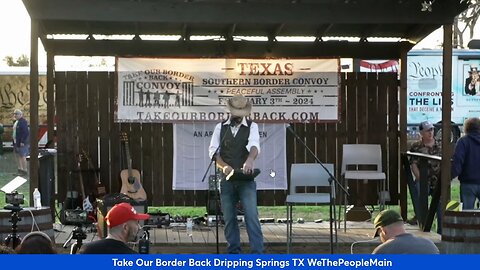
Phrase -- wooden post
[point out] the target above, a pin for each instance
(50, 96)
(446, 116)
(51, 117)
(33, 108)
(403, 129)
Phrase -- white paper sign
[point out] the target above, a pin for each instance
(191, 159)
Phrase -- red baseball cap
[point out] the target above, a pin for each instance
(122, 213)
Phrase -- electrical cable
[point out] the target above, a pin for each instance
(34, 222)
(362, 241)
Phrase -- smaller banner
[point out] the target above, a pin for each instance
(190, 154)
(379, 66)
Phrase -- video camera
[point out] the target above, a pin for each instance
(14, 198)
(76, 217)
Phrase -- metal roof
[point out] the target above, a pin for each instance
(364, 19)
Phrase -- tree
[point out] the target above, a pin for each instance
(465, 21)
(22, 61)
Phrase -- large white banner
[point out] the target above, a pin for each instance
(190, 154)
(173, 90)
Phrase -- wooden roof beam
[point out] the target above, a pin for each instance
(368, 33)
(373, 12)
(230, 32)
(370, 50)
(185, 35)
(322, 31)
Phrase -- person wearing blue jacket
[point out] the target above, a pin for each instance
(21, 141)
(466, 163)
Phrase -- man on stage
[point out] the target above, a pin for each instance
(240, 145)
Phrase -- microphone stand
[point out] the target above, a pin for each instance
(332, 180)
(217, 204)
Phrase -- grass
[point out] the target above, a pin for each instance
(8, 169)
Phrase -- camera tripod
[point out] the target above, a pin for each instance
(14, 218)
(79, 235)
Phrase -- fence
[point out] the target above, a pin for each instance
(85, 105)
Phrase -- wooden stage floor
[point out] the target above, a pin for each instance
(309, 238)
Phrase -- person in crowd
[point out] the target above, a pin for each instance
(395, 240)
(122, 227)
(427, 145)
(466, 163)
(235, 144)
(6, 249)
(36, 243)
(21, 137)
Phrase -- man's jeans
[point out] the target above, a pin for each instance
(468, 194)
(245, 191)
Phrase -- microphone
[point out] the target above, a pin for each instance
(235, 121)
(290, 128)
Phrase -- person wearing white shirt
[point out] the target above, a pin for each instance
(235, 144)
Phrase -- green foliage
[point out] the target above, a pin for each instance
(22, 61)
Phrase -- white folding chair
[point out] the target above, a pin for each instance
(356, 155)
(309, 184)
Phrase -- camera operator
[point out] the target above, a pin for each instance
(123, 226)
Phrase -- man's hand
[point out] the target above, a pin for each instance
(248, 166)
(227, 169)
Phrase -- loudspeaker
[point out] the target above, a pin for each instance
(103, 206)
(211, 203)
(72, 201)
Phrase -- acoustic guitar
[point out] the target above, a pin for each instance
(131, 185)
(100, 189)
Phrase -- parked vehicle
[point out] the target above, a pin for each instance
(424, 86)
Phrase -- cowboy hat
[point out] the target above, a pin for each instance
(238, 105)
